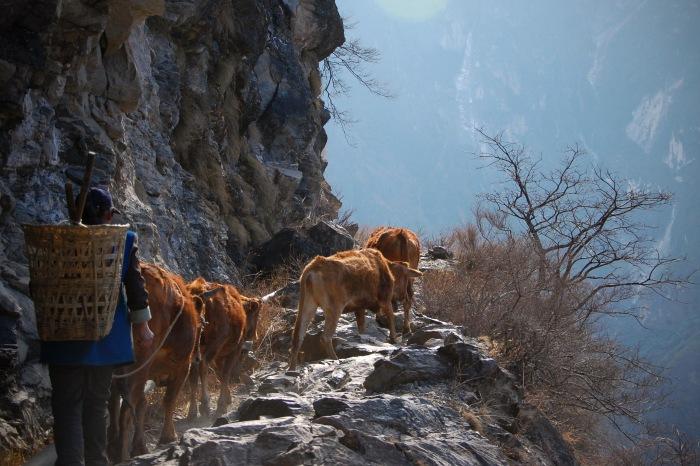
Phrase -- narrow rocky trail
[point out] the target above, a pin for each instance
(436, 398)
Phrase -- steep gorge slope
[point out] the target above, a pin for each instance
(207, 121)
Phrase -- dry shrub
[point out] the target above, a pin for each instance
(362, 234)
(271, 322)
(440, 239)
(567, 366)
(270, 326)
(12, 458)
(472, 419)
(674, 449)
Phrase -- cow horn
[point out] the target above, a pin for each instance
(210, 293)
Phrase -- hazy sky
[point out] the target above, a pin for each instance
(620, 78)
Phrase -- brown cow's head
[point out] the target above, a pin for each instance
(252, 307)
(403, 274)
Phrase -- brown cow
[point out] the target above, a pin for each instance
(167, 294)
(347, 281)
(398, 244)
(231, 321)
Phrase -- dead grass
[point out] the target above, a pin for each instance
(13, 458)
(362, 234)
(472, 419)
(271, 323)
(495, 290)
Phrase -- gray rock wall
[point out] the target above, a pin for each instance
(208, 124)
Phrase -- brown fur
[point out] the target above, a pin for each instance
(398, 244)
(231, 319)
(167, 293)
(347, 281)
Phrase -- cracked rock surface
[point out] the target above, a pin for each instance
(441, 402)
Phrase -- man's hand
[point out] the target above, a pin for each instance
(143, 336)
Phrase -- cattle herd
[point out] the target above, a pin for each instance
(203, 324)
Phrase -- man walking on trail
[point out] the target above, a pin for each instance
(81, 371)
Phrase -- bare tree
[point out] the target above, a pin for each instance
(552, 252)
(349, 59)
(584, 224)
(667, 448)
(592, 254)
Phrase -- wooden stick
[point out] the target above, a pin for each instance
(86, 185)
(70, 202)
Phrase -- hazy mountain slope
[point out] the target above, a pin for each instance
(620, 78)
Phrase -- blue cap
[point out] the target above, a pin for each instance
(98, 200)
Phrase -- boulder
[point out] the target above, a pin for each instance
(277, 383)
(329, 406)
(540, 431)
(469, 361)
(405, 365)
(438, 252)
(282, 441)
(442, 333)
(290, 246)
(389, 429)
(483, 372)
(272, 407)
(338, 379)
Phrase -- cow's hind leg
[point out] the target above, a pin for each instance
(388, 311)
(307, 309)
(192, 380)
(139, 443)
(169, 401)
(204, 399)
(407, 304)
(232, 361)
(209, 357)
(360, 319)
(330, 323)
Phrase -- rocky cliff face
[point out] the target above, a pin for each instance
(207, 121)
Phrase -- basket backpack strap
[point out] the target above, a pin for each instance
(128, 246)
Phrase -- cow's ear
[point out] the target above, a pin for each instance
(211, 293)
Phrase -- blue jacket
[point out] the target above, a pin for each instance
(114, 349)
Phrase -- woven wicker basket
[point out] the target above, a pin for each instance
(75, 275)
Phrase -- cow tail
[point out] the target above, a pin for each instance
(306, 299)
(403, 240)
